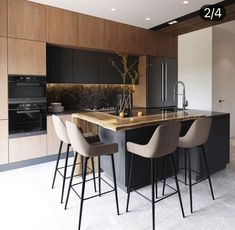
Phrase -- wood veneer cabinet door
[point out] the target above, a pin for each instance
(61, 26)
(3, 79)
(162, 45)
(53, 141)
(26, 57)
(26, 148)
(4, 141)
(3, 17)
(90, 32)
(26, 20)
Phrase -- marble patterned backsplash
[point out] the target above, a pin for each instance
(76, 96)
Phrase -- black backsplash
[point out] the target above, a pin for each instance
(75, 96)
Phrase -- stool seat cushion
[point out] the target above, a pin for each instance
(197, 134)
(163, 142)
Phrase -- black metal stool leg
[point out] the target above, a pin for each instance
(164, 175)
(57, 163)
(153, 195)
(65, 173)
(93, 172)
(185, 167)
(83, 191)
(115, 183)
(207, 171)
(177, 185)
(99, 176)
(190, 181)
(129, 182)
(156, 164)
(71, 180)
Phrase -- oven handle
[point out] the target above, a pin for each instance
(28, 111)
(27, 84)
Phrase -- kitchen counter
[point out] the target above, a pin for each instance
(150, 117)
(112, 128)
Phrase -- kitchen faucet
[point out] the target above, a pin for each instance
(184, 101)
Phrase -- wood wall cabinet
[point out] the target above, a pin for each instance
(26, 57)
(26, 148)
(26, 20)
(90, 32)
(4, 141)
(3, 79)
(61, 26)
(3, 18)
(160, 44)
(53, 141)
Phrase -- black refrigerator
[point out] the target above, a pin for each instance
(161, 77)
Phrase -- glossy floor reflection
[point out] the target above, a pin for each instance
(27, 202)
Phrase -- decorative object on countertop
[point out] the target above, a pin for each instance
(55, 107)
(126, 71)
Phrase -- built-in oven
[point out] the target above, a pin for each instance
(27, 119)
(27, 106)
(26, 88)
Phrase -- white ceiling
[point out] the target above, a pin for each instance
(132, 12)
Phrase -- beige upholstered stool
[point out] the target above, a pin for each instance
(61, 133)
(196, 136)
(163, 143)
(87, 150)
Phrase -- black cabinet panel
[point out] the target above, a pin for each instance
(85, 67)
(59, 65)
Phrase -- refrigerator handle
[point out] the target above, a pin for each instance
(162, 81)
(166, 80)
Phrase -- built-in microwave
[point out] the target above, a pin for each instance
(26, 88)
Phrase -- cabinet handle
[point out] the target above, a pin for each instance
(162, 81)
(166, 80)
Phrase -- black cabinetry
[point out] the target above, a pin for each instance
(161, 77)
(59, 65)
(84, 67)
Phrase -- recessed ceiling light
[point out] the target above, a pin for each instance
(172, 22)
(147, 19)
(185, 2)
(113, 9)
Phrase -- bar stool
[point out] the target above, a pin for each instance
(87, 150)
(196, 137)
(162, 143)
(61, 133)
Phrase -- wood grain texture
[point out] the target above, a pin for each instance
(25, 148)
(53, 141)
(3, 79)
(116, 123)
(3, 18)
(4, 141)
(140, 90)
(26, 57)
(61, 26)
(196, 23)
(90, 32)
(162, 45)
(26, 20)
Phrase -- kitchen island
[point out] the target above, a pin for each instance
(113, 128)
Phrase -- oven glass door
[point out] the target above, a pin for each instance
(27, 121)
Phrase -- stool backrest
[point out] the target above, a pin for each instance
(164, 141)
(77, 139)
(199, 132)
(60, 129)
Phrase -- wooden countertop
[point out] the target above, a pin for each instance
(117, 123)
